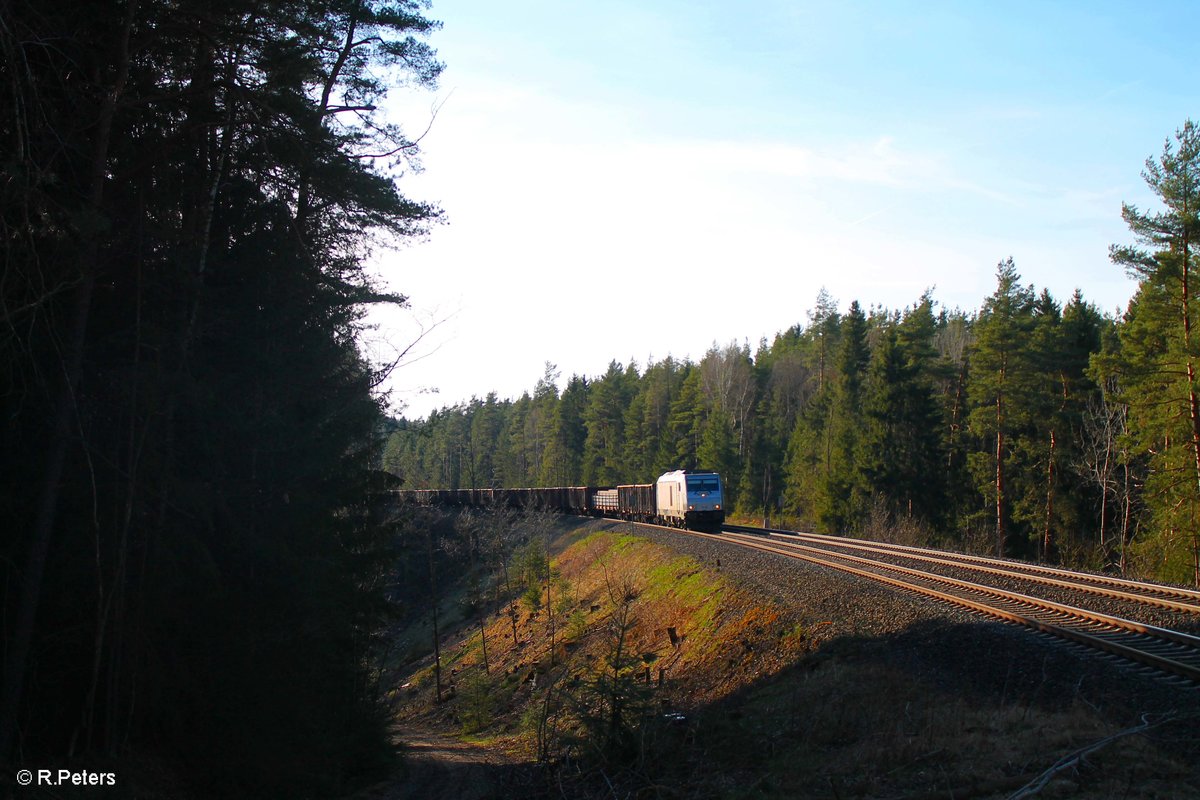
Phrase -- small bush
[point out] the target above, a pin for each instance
(479, 698)
(532, 598)
(577, 625)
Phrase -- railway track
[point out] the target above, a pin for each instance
(1165, 650)
(1172, 598)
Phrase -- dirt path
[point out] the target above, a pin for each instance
(441, 767)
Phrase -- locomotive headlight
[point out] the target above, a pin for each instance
(691, 508)
(717, 506)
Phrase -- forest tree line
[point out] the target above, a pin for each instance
(1032, 427)
(193, 568)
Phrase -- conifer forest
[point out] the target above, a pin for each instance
(1034, 426)
(192, 559)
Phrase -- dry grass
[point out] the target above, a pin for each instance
(777, 705)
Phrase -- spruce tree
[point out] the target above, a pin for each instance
(846, 495)
(686, 421)
(604, 416)
(901, 453)
(561, 465)
(999, 389)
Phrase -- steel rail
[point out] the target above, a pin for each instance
(1150, 593)
(1101, 642)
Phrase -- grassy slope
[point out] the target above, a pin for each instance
(775, 703)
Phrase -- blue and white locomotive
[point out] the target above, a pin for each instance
(690, 500)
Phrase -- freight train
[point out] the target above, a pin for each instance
(681, 499)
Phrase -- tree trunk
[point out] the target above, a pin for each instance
(1047, 534)
(955, 412)
(1126, 517)
(767, 496)
(1104, 473)
(483, 638)
(1001, 533)
(549, 604)
(437, 633)
(65, 411)
(1193, 401)
(512, 607)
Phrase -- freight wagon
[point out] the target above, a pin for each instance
(681, 499)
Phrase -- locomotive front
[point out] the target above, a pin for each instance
(692, 499)
(706, 506)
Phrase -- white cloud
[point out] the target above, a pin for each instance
(576, 239)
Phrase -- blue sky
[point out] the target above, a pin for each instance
(631, 180)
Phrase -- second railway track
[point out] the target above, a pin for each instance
(1172, 598)
(1167, 650)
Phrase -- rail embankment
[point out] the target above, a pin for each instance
(637, 660)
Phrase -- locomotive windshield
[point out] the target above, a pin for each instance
(705, 483)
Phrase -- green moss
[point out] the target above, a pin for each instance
(587, 541)
(614, 544)
(623, 542)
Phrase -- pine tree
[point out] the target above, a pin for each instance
(1037, 448)
(999, 389)
(1160, 349)
(953, 341)
(486, 422)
